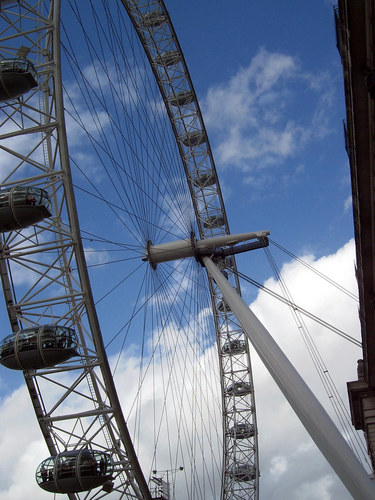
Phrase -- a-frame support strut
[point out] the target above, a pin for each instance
(306, 406)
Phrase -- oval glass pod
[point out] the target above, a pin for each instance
(243, 472)
(214, 221)
(234, 346)
(75, 471)
(181, 98)
(239, 389)
(195, 138)
(153, 19)
(22, 206)
(17, 76)
(242, 431)
(38, 347)
(204, 180)
(168, 58)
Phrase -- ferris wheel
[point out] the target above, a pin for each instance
(138, 371)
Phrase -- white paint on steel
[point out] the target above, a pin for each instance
(308, 409)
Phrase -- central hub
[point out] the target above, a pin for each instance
(180, 249)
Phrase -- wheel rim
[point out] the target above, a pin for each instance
(149, 176)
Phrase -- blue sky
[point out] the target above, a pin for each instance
(288, 171)
(269, 81)
(304, 101)
(271, 90)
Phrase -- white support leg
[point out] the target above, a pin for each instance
(308, 409)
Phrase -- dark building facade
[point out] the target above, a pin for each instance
(355, 28)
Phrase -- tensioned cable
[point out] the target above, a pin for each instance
(339, 332)
(121, 245)
(314, 270)
(146, 74)
(169, 194)
(171, 375)
(160, 139)
(133, 271)
(163, 302)
(182, 375)
(136, 218)
(162, 286)
(115, 207)
(328, 383)
(90, 90)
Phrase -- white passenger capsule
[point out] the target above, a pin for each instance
(76, 470)
(181, 98)
(195, 138)
(17, 76)
(153, 19)
(168, 58)
(22, 206)
(239, 389)
(38, 347)
(204, 180)
(243, 472)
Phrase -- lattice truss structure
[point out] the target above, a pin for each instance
(83, 410)
(75, 402)
(153, 25)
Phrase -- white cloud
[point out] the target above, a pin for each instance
(255, 120)
(348, 204)
(96, 257)
(279, 465)
(21, 448)
(291, 466)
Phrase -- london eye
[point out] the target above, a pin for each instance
(105, 155)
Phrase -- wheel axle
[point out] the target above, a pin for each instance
(155, 254)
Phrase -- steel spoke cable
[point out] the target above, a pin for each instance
(197, 303)
(156, 95)
(119, 283)
(202, 348)
(152, 129)
(97, 147)
(147, 312)
(108, 262)
(182, 376)
(115, 207)
(137, 218)
(111, 105)
(120, 244)
(91, 90)
(133, 314)
(159, 286)
(144, 75)
(145, 302)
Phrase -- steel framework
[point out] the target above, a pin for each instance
(155, 30)
(85, 410)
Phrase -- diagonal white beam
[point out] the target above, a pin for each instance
(308, 409)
